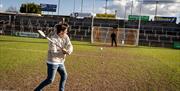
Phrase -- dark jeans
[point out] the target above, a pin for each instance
(113, 41)
(51, 70)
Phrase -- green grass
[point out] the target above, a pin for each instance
(23, 67)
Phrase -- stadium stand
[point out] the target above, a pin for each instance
(152, 33)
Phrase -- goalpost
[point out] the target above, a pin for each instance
(124, 36)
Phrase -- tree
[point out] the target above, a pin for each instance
(30, 8)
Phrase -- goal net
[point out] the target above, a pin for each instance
(124, 36)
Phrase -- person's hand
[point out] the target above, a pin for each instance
(65, 51)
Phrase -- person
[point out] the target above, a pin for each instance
(113, 38)
(56, 57)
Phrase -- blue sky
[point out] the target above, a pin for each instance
(67, 6)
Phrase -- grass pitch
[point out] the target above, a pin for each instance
(23, 67)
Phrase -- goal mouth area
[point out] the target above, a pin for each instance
(124, 36)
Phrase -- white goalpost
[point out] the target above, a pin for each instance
(124, 36)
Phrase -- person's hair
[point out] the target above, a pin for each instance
(61, 27)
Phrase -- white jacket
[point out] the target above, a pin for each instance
(55, 54)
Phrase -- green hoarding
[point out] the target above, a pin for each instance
(176, 45)
(136, 17)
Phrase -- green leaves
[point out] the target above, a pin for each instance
(30, 8)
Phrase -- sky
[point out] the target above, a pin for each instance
(148, 7)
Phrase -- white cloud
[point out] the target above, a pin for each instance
(159, 1)
(165, 8)
(1, 5)
(102, 10)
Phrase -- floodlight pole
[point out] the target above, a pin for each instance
(58, 5)
(81, 6)
(93, 5)
(26, 6)
(74, 7)
(139, 25)
(106, 7)
(156, 8)
(131, 6)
